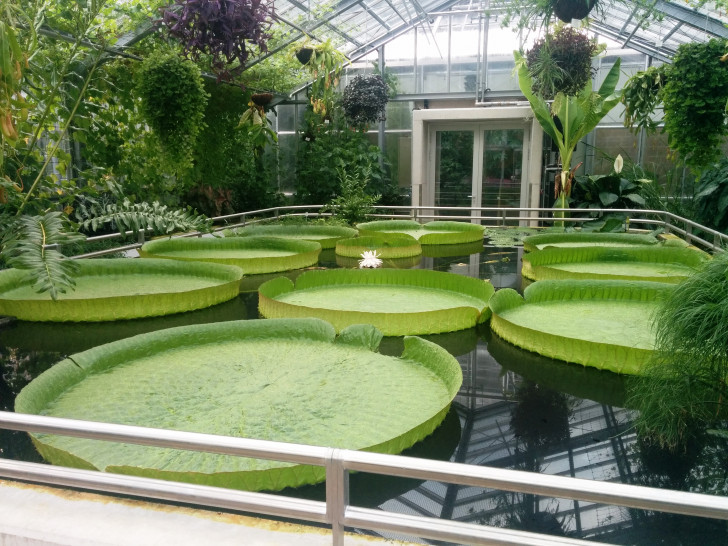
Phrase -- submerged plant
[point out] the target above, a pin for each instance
(684, 389)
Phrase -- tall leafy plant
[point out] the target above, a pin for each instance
(173, 100)
(577, 116)
(711, 199)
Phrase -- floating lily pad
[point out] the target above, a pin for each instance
(591, 239)
(396, 263)
(605, 324)
(397, 301)
(400, 246)
(648, 263)
(432, 233)
(282, 380)
(124, 288)
(326, 236)
(253, 255)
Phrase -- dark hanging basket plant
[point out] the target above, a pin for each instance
(365, 100)
(304, 55)
(566, 10)
(261, 99)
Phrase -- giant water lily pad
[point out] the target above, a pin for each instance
(326, 236)
(398, 302)
(605, 324)
(395, 246)
(439, 232)
(648, 263)
(585, 238)
(283, 380)
(115, 289)
(253, 255)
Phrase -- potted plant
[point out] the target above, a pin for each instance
(325, 66)
(577, 116)
(365, 100)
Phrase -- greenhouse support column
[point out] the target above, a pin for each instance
(381, 142)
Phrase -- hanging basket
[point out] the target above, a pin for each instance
(261, 99)
(304, 55)
(567, 10)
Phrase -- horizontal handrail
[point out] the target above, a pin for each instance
(337, 510)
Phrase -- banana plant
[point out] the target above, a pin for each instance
(578, 116)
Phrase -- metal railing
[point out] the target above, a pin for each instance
(706, 238)
(336, 511)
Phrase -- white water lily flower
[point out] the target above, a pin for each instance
(370, 260)
(618, 164)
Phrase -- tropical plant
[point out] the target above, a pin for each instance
(641, 96)
(711, 199)
(223, 30)
(694, 98)
(561, 61)
(173, 101)
(254, 122)
(353, 205)
(684, 390)
(577, 116)
(365, 100)
(325, 66)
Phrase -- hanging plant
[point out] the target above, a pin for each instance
(173, 101)
(325, 66)
(694, 100)
(561, 61)
(642, 95)
(255, 122)
(365, 100)
(223, 29)
(567, 10)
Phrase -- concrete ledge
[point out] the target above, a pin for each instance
(36, 515)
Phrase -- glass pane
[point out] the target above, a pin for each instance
(502, 164)
(454, 170)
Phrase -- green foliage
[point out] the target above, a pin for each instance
(365, 100)
(173, 101)
(254, 122)
(711, 199)
(24, 247)
(354, 205)
(684, 390)
(694, 99)
(330, 148)
(136, 217)
(325, 66)
(561, 62)
(641, 96)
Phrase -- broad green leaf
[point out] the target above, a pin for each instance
(542, 240)
(282, 380)
(432, 233)
(326, 236)
(390, 246)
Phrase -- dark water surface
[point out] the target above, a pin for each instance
(515, 410)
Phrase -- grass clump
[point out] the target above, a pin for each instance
(683, 391)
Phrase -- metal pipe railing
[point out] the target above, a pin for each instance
(337, 511)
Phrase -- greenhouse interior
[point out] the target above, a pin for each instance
(363, 272)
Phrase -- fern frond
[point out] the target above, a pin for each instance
(25, 246)
(142, 216)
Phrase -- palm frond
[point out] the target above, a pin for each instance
(145, 216)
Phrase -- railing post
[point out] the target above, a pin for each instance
(337, 496)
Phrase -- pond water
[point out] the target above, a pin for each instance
(515, 410)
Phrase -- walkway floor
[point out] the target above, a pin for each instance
(34, 515)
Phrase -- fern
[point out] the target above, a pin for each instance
(137, 217)
(26, 246)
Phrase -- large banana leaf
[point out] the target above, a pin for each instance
(282, 380)
(397, 302)
(254, 255)
(650, 263)
(439, 232)
(605, 324)
(326, 236)
(115, 289)
(542, 240)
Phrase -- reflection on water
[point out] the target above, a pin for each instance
(515, 410)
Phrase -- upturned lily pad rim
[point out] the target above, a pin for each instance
(326, 236)
(454, 232)
(389, 323)
(403, 246)
(535, 242)
(302, 253)
(101, 308)
(46, 388)
(623, 358)
(537, 265)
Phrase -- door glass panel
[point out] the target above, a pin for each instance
(454, 170)
(502, 164)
